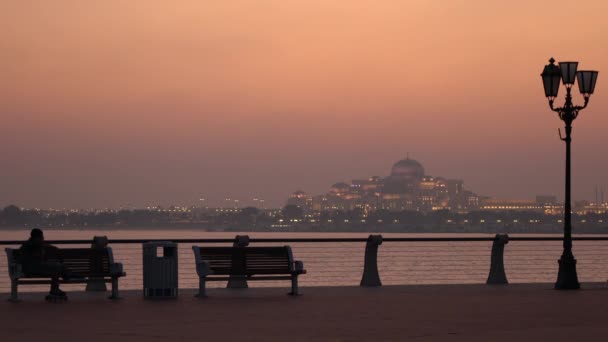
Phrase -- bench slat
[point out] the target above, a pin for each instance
(247, 261)
(80, 261)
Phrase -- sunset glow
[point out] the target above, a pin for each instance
(107, 103)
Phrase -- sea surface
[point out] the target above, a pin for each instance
(341, 263)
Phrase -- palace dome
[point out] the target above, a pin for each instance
(408, 169)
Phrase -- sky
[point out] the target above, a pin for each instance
(113, 103)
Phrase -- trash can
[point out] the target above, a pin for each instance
(160, 269)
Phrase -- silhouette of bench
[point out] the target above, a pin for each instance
(246, 263)
(84, 264)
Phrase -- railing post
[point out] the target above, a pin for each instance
(238, 280)
(370, 276)
(97, 283)
(497, 274)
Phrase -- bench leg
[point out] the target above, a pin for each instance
(202, 288)
(114, 294)
(14, 296)
(294, 285)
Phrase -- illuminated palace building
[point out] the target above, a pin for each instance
(406, 188)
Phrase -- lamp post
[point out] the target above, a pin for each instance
(567, 73)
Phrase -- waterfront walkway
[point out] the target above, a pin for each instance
(390, 313)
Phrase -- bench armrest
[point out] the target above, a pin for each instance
(298, 267)
(116, 269)
(203, 269)
(15, 271)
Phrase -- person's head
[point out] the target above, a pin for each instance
(36, 235)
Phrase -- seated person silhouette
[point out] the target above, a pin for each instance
(39, 258)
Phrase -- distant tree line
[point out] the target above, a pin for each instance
(293, 218)
(13, 216)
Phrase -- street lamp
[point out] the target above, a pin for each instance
(567, 73)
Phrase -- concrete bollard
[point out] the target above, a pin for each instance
(95, 284)
(371, 277)
(497, 274)
(238, 263)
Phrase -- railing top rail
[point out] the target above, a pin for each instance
(317, 240)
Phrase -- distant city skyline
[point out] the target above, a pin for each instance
(407, 187)
(260, 200)
(108, 103)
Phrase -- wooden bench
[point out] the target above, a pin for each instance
(84, 264)
(250, 263)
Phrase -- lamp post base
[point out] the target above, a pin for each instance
(566, 277)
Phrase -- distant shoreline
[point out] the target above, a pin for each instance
(388, 229)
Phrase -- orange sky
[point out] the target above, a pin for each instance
(105, 103)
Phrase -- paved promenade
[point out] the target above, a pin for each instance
(390, 313)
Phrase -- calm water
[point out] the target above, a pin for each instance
(341, 264)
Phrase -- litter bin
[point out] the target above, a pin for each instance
(160, 269)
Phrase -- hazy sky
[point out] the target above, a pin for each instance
(105, 103)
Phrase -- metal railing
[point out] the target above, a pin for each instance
(386, 260)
